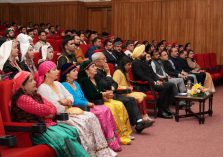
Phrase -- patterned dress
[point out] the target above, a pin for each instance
(87, 124)
(61, 137)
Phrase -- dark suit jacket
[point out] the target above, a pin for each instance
(110, 58)
(180, 64)
(169, 69)
(105, 82)
(143, 71)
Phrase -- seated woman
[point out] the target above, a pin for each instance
(9, 63)
(208, 82)
(87, 124)
(27, 57)
(28, 106)
(68, 76)
(122, 78)
(93, 93)
(46, 53)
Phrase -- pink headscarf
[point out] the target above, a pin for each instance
(43, 69)
(19, 79)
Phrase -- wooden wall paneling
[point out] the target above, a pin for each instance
(4, 12)
(137, 19)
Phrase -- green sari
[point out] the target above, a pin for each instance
(63, 139)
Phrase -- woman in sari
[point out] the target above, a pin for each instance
(94, 94)
(208, 82)
(122, 78)
(68, 76)
(87, 124)
(29, 106)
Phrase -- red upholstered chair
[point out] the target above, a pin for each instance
(22, 131)
(112, 68)
(9, 148)
(56, 54)
(152, 96)
(36, 58)
(207, 62)
(200, 60)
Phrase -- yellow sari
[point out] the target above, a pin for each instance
(121, 119)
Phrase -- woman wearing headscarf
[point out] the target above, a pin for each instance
(122, 78)
(93, 93)
(46, 53)
(28, 106)
(208, 82)
(86, 123)
(68, 78)
(9, 62)
(27, 53)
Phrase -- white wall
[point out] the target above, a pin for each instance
(30, 1)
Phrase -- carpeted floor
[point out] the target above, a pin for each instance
(186, 138)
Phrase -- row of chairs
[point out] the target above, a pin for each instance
(208, 61)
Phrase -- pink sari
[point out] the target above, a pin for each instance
(108, 126)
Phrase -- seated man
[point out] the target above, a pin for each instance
(77, 50)
(158, 68)
(96, 45)
(143, 71)
(42, 41)
(109, 54)
(107, 83)
(68, 54)
(173, 66)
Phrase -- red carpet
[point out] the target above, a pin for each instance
(185, 138)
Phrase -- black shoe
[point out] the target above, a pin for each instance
(140, 126)
(169, 112)
(164, 115)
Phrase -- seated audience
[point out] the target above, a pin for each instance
(96, 45)
(143, 71)
(107, 83)
(78, 51)
(121, 76)
(158, 68)
(9, 63)
(182, 65)
(68, 76)
(93, 92)
(42, 41)
(67, 56)
(118, 51)
(208, 82)
(109, 53)
(46, 53)
(29, 106)
(129, 46)
(176, 65)
(27, 54)
(91, 136)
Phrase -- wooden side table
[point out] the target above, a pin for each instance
(189, 113)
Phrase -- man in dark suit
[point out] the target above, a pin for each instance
(143, 71)
(109, 54)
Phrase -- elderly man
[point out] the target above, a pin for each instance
(107, 83)
(144, 72)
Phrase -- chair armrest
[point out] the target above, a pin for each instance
(8, 140)
(62, 117)
(24, 127)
